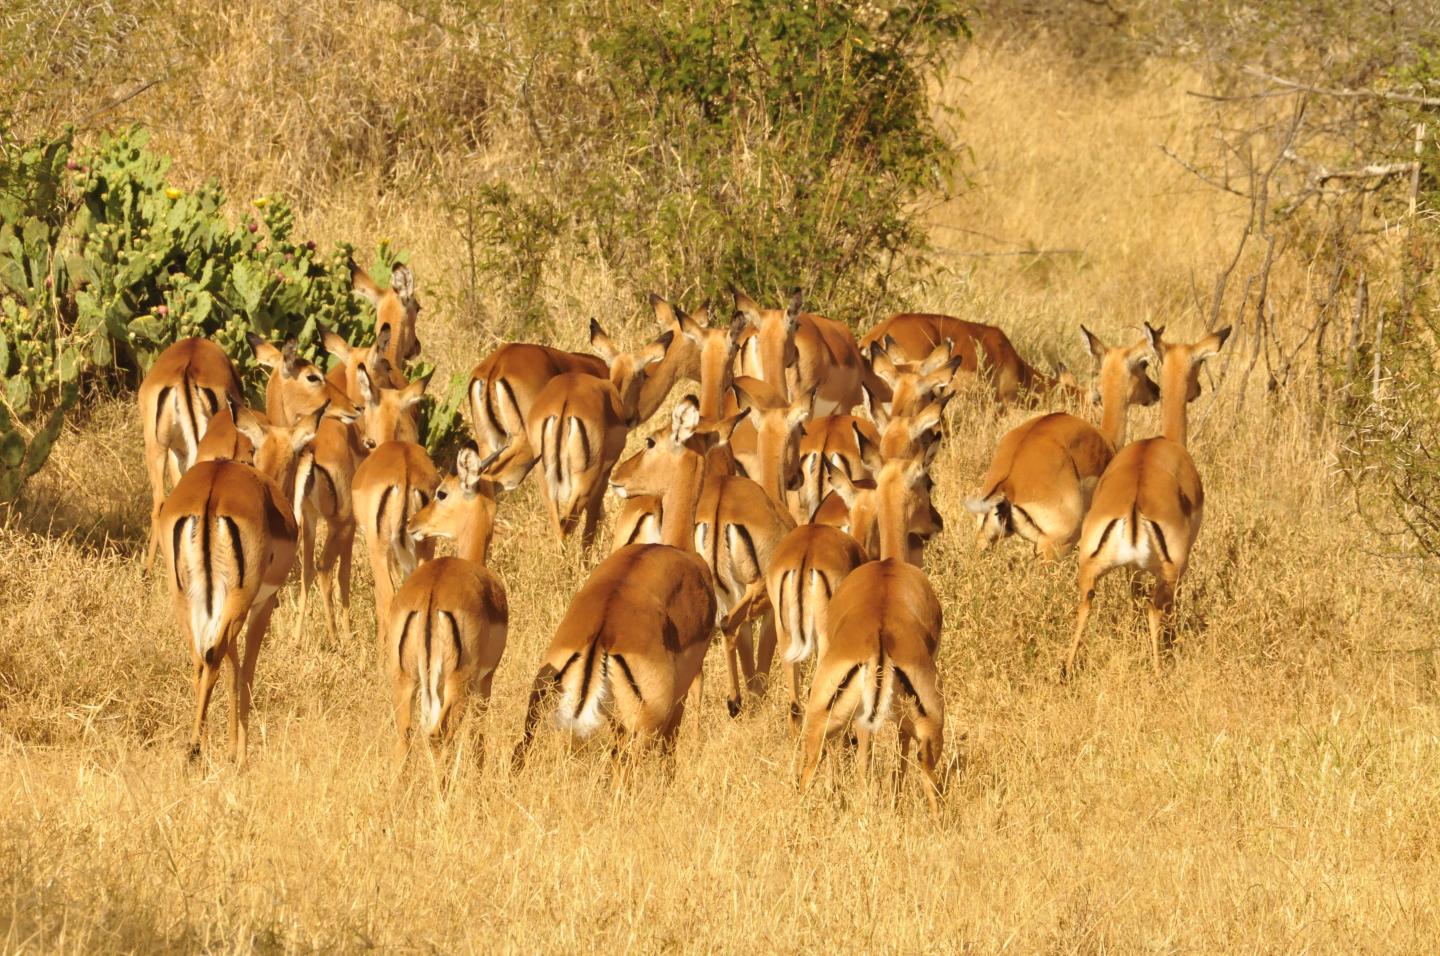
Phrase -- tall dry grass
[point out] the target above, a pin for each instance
(1273, 790)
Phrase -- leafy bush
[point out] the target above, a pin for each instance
(695, 143)
(102, 266)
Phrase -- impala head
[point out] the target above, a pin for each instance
(297, 387)
(653, 470)
(908, 436)
(774, 460)
(1121, 371)
(893, 509)
(1180, 364)
(912, 385)
(689, 330)
(714, 353)
(816, 441)
(463, 508)
(630, 371)
(277, 448)
(387, 414)
(771, 350)
(396, 311)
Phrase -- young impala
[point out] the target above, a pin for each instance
(1147, 508)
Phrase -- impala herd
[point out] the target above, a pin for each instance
(764, 508)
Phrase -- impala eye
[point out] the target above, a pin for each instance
(441, 495)
(313, 379)
(370, 443)
(649, 443)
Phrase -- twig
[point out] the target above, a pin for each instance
(1430, 102)
(1201, 176)
(122, 100)
(945, 250)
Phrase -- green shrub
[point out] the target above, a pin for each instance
(103, 265)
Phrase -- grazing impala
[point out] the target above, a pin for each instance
(735, 527)
(449, 620)
(798, 352)
(883, 625)
(391, 486)
(396, 310)
(1044, 471)
(1147, 508)
(296, 388)
(190, 382)
(229, 540)
(982, 349)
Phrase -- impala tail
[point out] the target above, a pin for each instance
(803, 596)
(877, 691)
(585, 691)
(207, 550)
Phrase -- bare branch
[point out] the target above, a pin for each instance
(1201, 176)
(1429, 102)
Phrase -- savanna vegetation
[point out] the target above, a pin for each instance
(1033, 165)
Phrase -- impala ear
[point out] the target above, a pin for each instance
(927, 419)
(1153, 338)
(701, 316)
(1209, 345)
(938, 356)
(265, 353)
(304, 432)
(1093, 344)
(402, 280)
(291, 357)
(247, 422)
(600, 342)
(656, 350)
(362, 284)
(334, 344)
(692, 330)
(802, 409)
(414, 393)
(369, 391)
(685, 419)
(839, 480)
(745, 305)
(792, 310)
(664, 312)
(469, 468)
(869, 451)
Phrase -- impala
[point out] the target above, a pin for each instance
(822, 438)
(396, 311)
(1044, 471)
(391, 486)
(805, 569)
(734, 525)
(910, 385)
(296, 387)
(766, 443)
(324, 486)
(449, 620)
(345, 374)
(577, 430)
(982, 350)
(914, 438)
(229, 538)
(190, 381)
(883, 625)
(799, 352)
(1148, 505)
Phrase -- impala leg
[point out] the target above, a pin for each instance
(764, 654)
(325, 576)
(1162, 599)
(929, 736)
(402, 699)
(907, 731)
(255, 634)
(1088, 578)
(205, 677)
(552, 509)
(544, 682)
(345, 547)
(384, 591)
(792, 684)
(593, 509)
(863, 739)
(482, 690)
(308, 520)
(155, 459)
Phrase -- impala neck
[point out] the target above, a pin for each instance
(1174, 394)
(677, 505)
(473, 541)
(1115, 408)
(894, 540)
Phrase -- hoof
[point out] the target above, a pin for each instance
(192, 756)
(733, 706)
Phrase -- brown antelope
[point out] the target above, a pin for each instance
(324, 486)
(449, 620)
(982, 350)
(648, 610)
(190, 382)
(820, 439)
(915, 437)
(1147, 507)
(883, 626)
(799, 352)
(1044, 471)
(735, 527)
(710, 360)
(769, 451)
(390, 488)
(296, 387)
(345, 374)
(396, 311)
(805, 569)
(229, 539)
(910, 385)
(577, 429)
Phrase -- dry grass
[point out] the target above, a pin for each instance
(1274, 790)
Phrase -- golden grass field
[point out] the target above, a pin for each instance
(1274, 790)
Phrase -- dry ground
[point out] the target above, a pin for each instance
(1274, 790)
